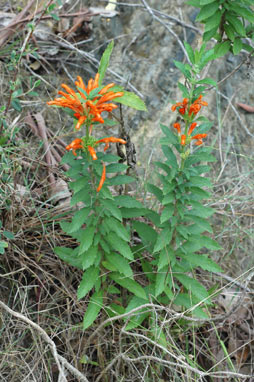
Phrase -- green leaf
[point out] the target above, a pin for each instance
(145, 231)
(88, 281)
(15, 103)
(119, 245)
(104, 62)
(87, 239)
(213, 21)
(128, 201)
(8, 235)
(188, 302)
(81, 196)
(200, 210)
(139, 316)
(193, 286)
(128, 213)
(167, 213)
(155, 191)
(168, 152)
(93, 309)
(230, 32)
(222, 48)
(116, 167)
(117, 227)
(183, 69)
(165, 167)
(184, 90)
(237, 46)
(207, 11)
(172, 138)
(166, 257)
(120, 179)
(79, 219)
(199, 181)
(111, 206)
(204, 2)
(68, 255)
(190, 52)
(200, 221)
(168, 199)
(89, 257)
(202, 194)
(208, 81)
(203, 261)
(79, 184)
(3, 244)
(160, 282)
(194, 3)
(130, 285)
(242, 11)
(164, 238)
(132, 100)
(236, 24)
(120, 264)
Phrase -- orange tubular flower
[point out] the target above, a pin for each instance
(87, 109)
(196, 106)
(199, 138)
(181, 106)
(183, 139)
(177, 127)
(74, 145)
(111, 140)
(192, 127)
(103, 177)
(92, 152)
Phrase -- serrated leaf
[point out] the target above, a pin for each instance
(119, 245)
(116, 167)
(183, 69)
(104, 62)
(207, 11)
(166, 257)
(204, 262)
(237, 46)
(199, 181)
(88, 281)
(111, 206)
(130, 285)
(134, 212)
(242, 11)
(128, 201)
(168, 199)
(222, 48)
(200, 221)
(120, 263)
(190, 52)
(93, 309)
(79, 219)
(193, 286)
(87, 239)
(9, 235)
(188, 302)
(213, 21)
(160, 281)
(145, 231)
(117, 227)
(208, 81)
(68, 255)
(200, 210)
(89, 257)
(121, 179)
(184, 90)
(167, 213)
(172, 138)
(168, 152)
(155, 191)
(235, 23)
(205, 2)
(230, 32)
(138, 317)
(164, 238)
(132, 100)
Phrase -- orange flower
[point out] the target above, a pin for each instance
(183, 139)
(181, 106)
(177, 127)
(196, 106)
(87, 109)
(192, 127)
(103, 177)
(74, 145)
(199, 138)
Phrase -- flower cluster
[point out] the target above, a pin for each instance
(79, 143)
(184, 139)
(191, 110)
(89, 101)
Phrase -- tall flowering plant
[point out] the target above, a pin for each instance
(174, 241)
